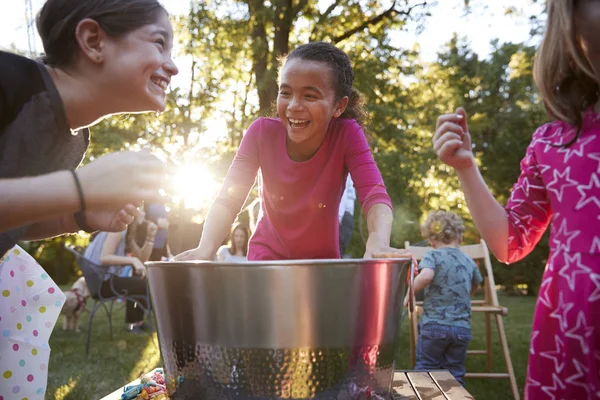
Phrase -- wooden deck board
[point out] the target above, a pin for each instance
(407, 385)
(450, 386)
(402, 388)
(425, 386)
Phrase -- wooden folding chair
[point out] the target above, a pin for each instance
(489, 305)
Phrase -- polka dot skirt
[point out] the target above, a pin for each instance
(30, 303)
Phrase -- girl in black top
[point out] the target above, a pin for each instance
(101, 58)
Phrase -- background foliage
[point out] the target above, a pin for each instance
(231, 49)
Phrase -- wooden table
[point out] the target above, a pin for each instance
(432, 385)
(408, 385)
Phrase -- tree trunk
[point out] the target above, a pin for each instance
(260, 52)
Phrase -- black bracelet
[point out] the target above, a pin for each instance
(80, 215)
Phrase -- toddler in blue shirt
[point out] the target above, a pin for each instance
(448, 278)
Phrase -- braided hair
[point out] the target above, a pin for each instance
(341, 74)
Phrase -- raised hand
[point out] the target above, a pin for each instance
(115, 180)
(452, 141)
(111, 220)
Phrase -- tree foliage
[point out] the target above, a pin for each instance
(229, 52)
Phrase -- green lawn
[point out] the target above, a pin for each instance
(112, 364)
(517, 326)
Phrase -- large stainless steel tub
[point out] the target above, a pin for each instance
(285, 329)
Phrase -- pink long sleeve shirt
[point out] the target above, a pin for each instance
(300, 200)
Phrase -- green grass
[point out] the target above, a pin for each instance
(110, 363)
(517, 326)
(113, 363)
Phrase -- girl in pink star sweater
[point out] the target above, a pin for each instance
(559, 186)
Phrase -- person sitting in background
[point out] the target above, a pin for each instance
(237, 250)
(139, 240)
(158, 214)
(120, 251)
(449, 277)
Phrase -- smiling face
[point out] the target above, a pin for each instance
(306, 104)
(138, 66)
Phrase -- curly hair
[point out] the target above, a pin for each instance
(443, 226)
(341, 72)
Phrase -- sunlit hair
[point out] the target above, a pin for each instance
(341, 73)
(232, 249)
(443, 227)
(58, 19)
(564, 75)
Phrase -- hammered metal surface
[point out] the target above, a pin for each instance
(212, 372)
(317, 329)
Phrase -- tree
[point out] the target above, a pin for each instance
(504, 110)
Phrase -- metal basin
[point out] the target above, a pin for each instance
(309, 329)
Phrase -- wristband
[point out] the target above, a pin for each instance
(80, 215)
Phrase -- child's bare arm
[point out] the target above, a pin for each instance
(421, 281)
(452, 144)
(474, 288)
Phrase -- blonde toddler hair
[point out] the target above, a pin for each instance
(443, 227)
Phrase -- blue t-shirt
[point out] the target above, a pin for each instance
(447, 298)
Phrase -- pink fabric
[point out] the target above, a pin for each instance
(300, 200)
(561, 186)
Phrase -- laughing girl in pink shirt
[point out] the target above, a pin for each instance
(302, 160)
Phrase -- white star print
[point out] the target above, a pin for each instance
(542, 205)
(541, 131)
(573, 266)
(561, 182)
(550, 142)
(596, 293)
(534, 336)
(587, 331)
(544, 295)
(549, 389)
(552, 261)
(582, 372)
(532, 382)
(543, 168)
(587, 193)
(523, 225)
(595, 156)
(568, 237)
(555, 217)
(526, 220)
(526, 186)
(560, 313)
(510, 240)
(576, 149)
(595, 249)
(515, 204)
(532, 168)
(556, 355)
